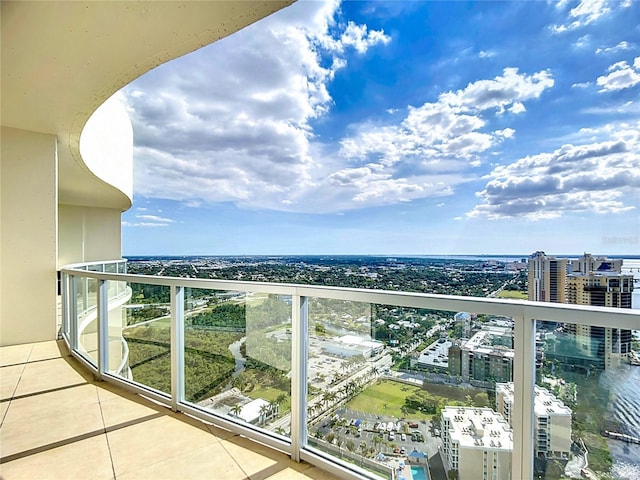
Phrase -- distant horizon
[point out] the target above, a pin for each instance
(387, 255)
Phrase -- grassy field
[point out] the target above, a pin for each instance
(385, 397)
(513, 294)
(271, 394)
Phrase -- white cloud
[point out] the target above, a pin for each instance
(621, 75)
(620, 47)
(585, 13)
(144, 224)
(155, 218)
(230, 122)
(147, 220)
(435, 142)
(360, 38)
(595, 178)
(200, 139)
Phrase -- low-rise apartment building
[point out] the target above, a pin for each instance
(477, 443)
(552, 426)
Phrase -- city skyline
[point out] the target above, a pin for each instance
(401, 128)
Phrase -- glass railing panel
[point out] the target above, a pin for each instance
(238, 356)
(144, 322)
(86, 301)
(114, 287)
(587, 419)
(86, 295)
(397, 388)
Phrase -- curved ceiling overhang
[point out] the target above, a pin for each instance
(62, 60)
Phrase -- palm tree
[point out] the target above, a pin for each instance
(264, 409)
(273, 408)
(236, 410)
(364, 447)
(281, 398)
(328, 396)
(351, 446)
(376, 442)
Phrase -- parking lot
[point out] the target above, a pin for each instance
(390, 436)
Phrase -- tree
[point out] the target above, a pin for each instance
(264, 410)
(273, 408)
(328, 397)
(237, 408)
(481, 399)
(350, 445)
(363, 447)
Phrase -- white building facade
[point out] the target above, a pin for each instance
(477, 443)
(552, 426)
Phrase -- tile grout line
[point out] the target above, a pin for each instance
(246, 475)
(113, 467)
(15, 389)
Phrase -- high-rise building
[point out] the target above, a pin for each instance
(587, 280)
(552, 427)
(599, 281)
(477, 443)
(547, 278)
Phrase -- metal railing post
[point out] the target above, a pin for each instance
(73, 312)
(103, 327)
(64, 291)
(177, 346)
(524, 378)
(299, 346)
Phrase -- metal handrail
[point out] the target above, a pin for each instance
(524, 313)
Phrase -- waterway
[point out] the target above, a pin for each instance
(238, 357)
(625, 385)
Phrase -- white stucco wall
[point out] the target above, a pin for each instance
(88, 234)
(28, 219)
(106, 145)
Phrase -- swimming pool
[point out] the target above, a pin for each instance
(419, 473)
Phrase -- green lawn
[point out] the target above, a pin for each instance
(386, 397)
(514, 294)
(271, 394)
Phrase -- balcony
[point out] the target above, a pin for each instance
(160, 367)
(59, 422)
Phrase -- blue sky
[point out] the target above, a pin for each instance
(395, 128)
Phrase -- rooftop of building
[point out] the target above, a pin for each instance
(480, 428)
(482, 342)
(545, 404)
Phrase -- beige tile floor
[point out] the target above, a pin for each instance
(57, 422)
